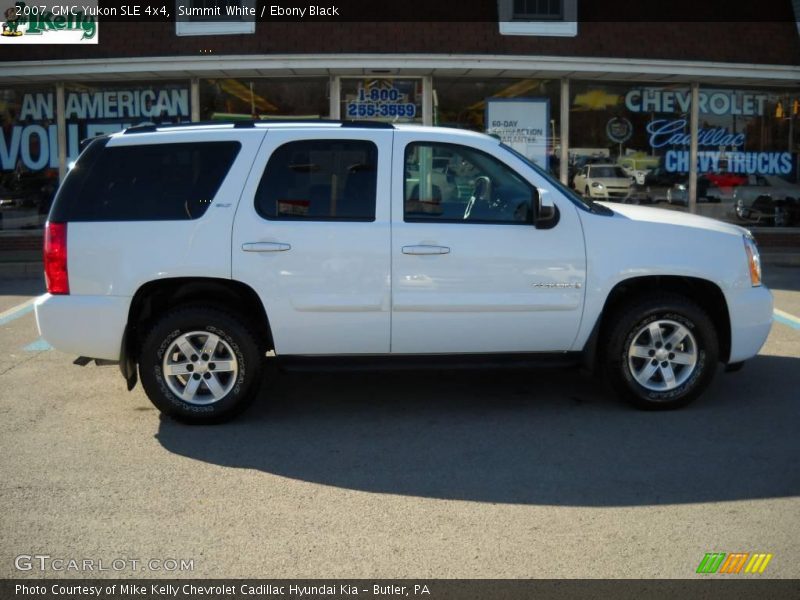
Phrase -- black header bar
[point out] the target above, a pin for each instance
(373, 11)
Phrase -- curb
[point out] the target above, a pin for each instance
(21, 270)
(780, 259)
(33, 270)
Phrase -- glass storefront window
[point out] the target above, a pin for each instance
(390, 100)
(232, 99)
(623, 125)
(523, 113)
(29, 144)
(747, 165)
(28, 156)
(748, 154)
(97, 109)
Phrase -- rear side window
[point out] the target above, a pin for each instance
(320, 180)
(70, 189)
(153, 182)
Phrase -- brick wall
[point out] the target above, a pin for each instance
(760, 42)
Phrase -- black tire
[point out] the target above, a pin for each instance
(231, 331)
(629, 320)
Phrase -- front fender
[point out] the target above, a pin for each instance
(646, 242)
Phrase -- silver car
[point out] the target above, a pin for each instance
(767, 199)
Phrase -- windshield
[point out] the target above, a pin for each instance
(580, 202)
(608, 172)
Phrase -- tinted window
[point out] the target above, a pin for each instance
(69, 193)
(448, 182)
(154, 182)
(320, 180)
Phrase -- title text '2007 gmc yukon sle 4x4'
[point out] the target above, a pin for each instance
(192, 251)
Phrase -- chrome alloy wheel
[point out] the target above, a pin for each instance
(662, 355)
(200, 367)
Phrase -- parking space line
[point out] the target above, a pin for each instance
(16, 311)
(786, 318)
(39, 345)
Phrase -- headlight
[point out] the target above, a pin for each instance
(753, 259)
(597, 185)
(681, 187)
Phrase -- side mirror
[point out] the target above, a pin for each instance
(546, 214)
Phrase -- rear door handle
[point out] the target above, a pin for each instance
(265, 247)
(426, 250)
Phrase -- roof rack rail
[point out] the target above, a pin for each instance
(84, 143)
(149, 128)
(368, 124)
(249, 123)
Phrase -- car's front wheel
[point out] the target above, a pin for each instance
(200, 365)
(662, 351)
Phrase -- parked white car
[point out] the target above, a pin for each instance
(603, 181)
(190, 252)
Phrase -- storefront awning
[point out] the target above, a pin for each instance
(540, 67)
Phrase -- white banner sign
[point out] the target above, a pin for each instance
(521, 123)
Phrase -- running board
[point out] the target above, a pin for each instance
(515, 360)
(82, 361)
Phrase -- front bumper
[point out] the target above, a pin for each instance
(84, 325)
(606, 194)
(751, 319)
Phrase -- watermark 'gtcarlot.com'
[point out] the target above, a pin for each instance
(45, 562)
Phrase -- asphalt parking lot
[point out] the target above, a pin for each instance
(411, 474)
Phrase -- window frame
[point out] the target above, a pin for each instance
(537, 16)
(531, 187)
(316, 219)
(566, 26)
(185, 27)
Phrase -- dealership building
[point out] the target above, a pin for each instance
(713, 105)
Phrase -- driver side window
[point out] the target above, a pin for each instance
(452, 183)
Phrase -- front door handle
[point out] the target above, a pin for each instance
(426, 250)
(265, 247)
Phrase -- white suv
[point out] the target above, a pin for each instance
(194, 251)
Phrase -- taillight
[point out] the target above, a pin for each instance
(55, 258)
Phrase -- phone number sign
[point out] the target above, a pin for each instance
(381, 102)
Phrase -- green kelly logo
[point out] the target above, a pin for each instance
(40, 20)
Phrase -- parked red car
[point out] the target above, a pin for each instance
(725, 180)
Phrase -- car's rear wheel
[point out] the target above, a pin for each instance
(662, 351)
(200, 365)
